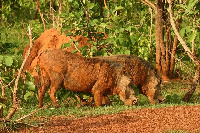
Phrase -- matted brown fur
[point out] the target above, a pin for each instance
(144, 75)
(80, 74)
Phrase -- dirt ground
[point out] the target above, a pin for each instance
(146, 120)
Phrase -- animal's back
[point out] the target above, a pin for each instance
(135, 66)
(79, 73)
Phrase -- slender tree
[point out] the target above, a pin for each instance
(165, 48)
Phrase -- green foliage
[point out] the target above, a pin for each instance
(189, 30)
(173, 99)
(124, 35)
(65, 45)
(127, 25)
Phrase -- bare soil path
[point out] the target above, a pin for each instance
(146, 120)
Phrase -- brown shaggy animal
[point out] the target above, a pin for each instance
(76, 73)
(144, 75)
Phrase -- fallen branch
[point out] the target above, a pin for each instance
(22, 123)
(32, 113)
(15, 102)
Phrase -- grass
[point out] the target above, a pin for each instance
(173, 131)
(174, 92)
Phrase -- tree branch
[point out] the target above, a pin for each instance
(86, 11)
(195, 59)
(59, 12)
(104, 1)
(75, 46)
(150, 32)
(4, 86)
(41, 15)
(31, 113)
(148, 3)
(52, 13)
(15, 102)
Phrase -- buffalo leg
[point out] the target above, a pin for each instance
(52, 93)
(43, 81)
(41, 93)
(56, 81)
(98, 98)
(105, 100)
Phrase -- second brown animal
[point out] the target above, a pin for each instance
(144, 75)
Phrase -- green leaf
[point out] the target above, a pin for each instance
(119, 8)
(94, 22)
(103, 25)
(77, 14)
(110, 40)
(121, 29)
(132, 37)
(65, 45)
(72, 40)
(74, 51)
(182, 32)
(193, 36)
(116, 31)
(30, 85)
(127, 52)
(190, 6)
(1, 58)
(105, 54)
(93, 49)
(92, 5)
(27, 95)
(8, 61)
(129, 28)
(121, 40)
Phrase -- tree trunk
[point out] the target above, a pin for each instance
(161, 63)
(165, 52)
(158, 33)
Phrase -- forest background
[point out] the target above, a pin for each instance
(138, 27)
